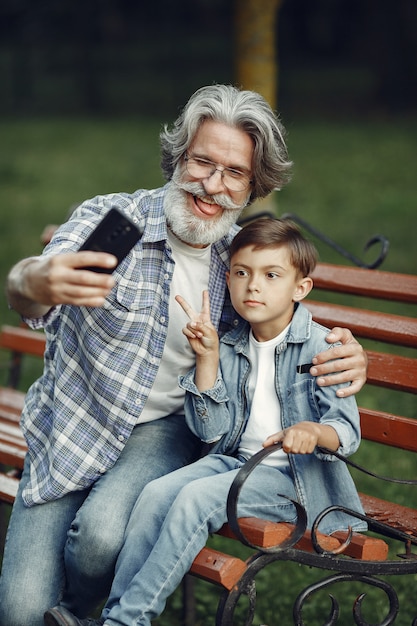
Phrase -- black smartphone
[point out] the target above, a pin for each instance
(115, 234)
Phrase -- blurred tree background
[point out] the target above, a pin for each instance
(124, 56)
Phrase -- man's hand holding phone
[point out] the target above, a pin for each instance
(80, 278)
(116, 235)
(62, 279)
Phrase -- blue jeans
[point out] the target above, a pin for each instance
(65, 550)
(170, 525)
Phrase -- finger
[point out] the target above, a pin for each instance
(189, 333)
(344, 335)
(350, 390)
(88, 258)
(352, 383)
(275, 438)
(337, 365)
(205, 309)
(187, 308)
(79, 295)
(339, 356)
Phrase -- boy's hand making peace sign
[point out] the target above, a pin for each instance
(204, 340)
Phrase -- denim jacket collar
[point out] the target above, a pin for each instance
(298, 332)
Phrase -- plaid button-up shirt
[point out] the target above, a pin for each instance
(100, 363)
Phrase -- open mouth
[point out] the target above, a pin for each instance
(207, 209)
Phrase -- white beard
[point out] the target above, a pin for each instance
(188, 227)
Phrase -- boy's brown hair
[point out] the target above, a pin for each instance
(273, 233)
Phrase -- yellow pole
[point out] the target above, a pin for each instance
(256, 63)
(256, 57)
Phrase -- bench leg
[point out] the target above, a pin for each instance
(188, 601)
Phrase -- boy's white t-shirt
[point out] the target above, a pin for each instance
(191, 276)
(265, 413)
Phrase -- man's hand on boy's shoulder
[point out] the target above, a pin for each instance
(345, 363)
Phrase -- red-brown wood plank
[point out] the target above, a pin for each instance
(389, 328)
(392, 371)
(11, 403)
(19, 339)
(218, 567)
(263, 533)
(396, 515)
(364, 547)
(12, 454)
(392, 430)
(365, 282)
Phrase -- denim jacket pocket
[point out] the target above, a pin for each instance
(301, 401)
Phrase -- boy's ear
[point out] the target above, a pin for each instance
(227, 278)
(303, 288)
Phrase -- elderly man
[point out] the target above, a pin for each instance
(106, 417)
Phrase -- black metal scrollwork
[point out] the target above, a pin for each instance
(345, 253)
(232, 502)
(375, 239)
(390, 479)
(348, 570)
(357, 613)
(373, 524)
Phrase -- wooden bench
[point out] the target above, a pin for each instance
(367, 556)
(18, 342)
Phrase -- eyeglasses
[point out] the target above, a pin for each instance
(234, 180)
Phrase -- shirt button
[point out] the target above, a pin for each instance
(162, 319)
(121, 438)
(137, 401)
(102, 470)
(235, 322)
(166, 276)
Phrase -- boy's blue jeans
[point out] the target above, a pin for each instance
(65, 550)
(170, 525)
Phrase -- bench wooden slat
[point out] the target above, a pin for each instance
(392, 329)
(392, 430)
(392, 371)
(218, 567)
(11, 403)
(364, 547)
(266, 534)
(25, 340)
(365, 282)
(8, 488)
(10, 431)
(396, 515)
(11, 453)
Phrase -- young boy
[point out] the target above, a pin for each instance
(251, 389)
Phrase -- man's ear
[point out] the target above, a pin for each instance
(303, 288)
(227, 278)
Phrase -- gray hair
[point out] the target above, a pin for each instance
(246, 110)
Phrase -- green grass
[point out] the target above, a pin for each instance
(352, 180)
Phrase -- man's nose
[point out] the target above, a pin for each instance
(214, 183)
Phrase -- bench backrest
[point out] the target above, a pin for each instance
(391, 369)
(386, 369)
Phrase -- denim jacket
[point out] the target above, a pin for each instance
(219, 415)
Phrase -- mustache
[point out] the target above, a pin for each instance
(197, 189)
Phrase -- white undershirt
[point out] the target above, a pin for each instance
(191, 274)
(265, 413)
